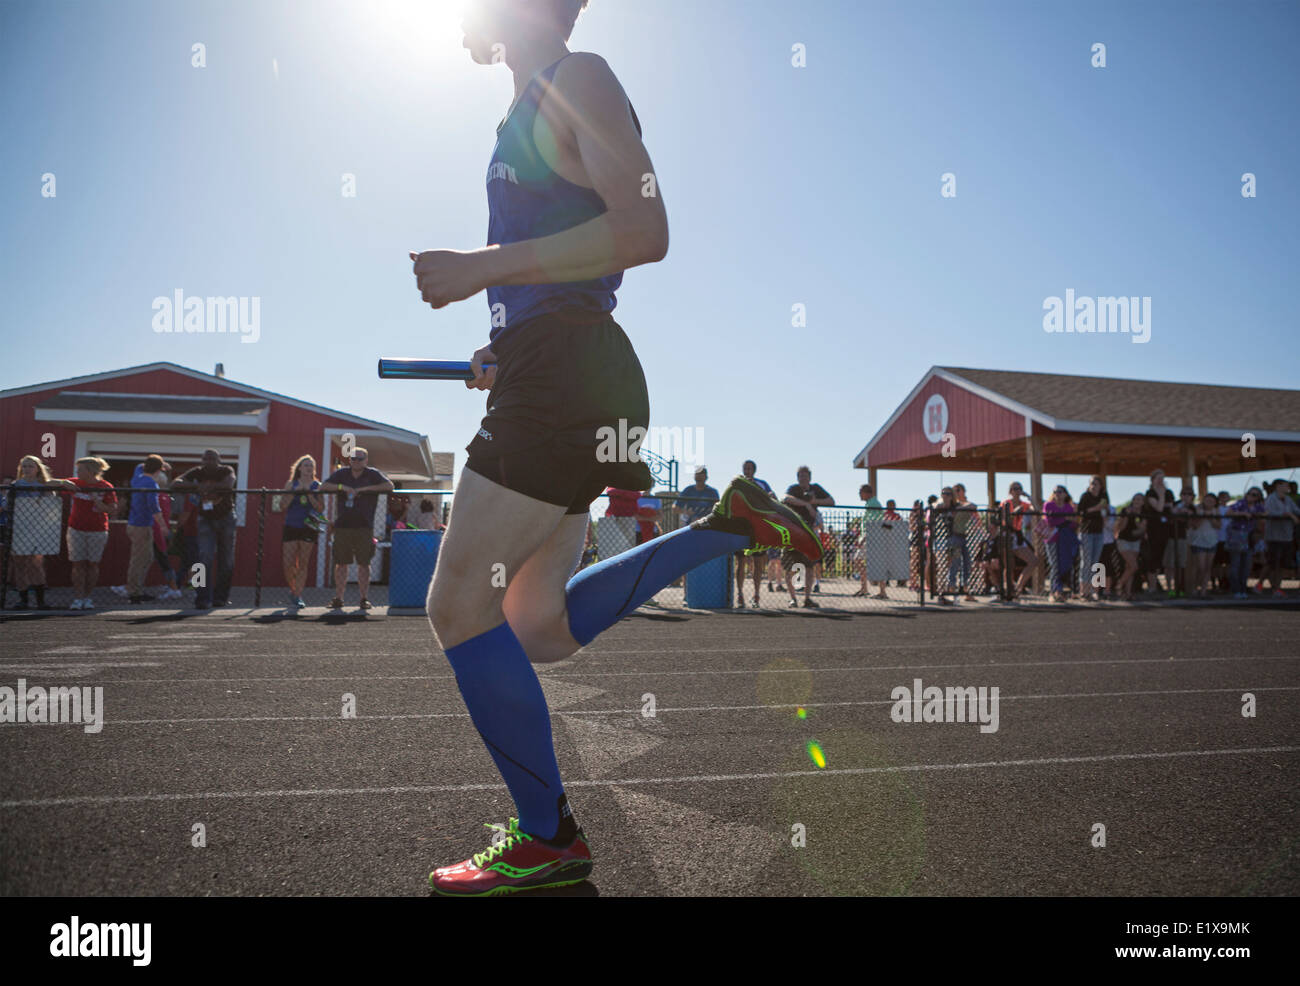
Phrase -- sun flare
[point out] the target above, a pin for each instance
(428, 23)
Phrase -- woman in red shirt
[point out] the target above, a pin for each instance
(88, 525)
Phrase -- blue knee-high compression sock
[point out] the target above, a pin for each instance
(602, 594)
(506, 703)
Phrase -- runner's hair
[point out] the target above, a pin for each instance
(566, 14)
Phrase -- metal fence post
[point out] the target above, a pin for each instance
(1007, 555)
(916, 529)
(6, 540)
(929, 553)
(1180, 567)
(261, 537)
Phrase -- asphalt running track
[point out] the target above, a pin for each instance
(1131, 718)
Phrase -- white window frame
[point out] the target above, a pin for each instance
(234, 451)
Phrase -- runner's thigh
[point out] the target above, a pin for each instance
(535, 599)
(489, 526)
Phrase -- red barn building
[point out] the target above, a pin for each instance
(124, 415)
(1010, 421)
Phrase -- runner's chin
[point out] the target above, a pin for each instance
(478, 49)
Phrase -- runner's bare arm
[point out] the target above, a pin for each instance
(634, 228)
(632, 231)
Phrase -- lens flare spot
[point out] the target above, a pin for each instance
(815, 754)
(801, 712)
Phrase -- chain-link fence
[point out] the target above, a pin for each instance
(1105, 557)
(866, 561)
(259, 547)
(286, 548)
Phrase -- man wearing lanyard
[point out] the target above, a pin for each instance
(213, 482)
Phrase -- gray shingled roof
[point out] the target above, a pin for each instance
(1143, 402)
(74, 401)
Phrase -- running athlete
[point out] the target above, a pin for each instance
(572, 203)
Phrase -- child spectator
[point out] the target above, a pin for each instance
(427, 519)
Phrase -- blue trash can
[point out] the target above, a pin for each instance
(414, 556)
(709, 585)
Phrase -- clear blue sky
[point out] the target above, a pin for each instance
(816, 185)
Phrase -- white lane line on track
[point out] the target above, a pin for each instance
(81, 665)
(804, 643)
(221, 635)
(627, 781)
(951, 645)
(681, 708)
(905, 667)
(177, 649)
(623, 674)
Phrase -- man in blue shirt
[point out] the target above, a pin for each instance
(698, 500)
(145, 512)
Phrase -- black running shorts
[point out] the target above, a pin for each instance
(569, 391)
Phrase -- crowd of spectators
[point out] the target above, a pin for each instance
(787, 571)
(183, 524)
(1155, 544)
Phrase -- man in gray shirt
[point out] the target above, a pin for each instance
(1279, 529)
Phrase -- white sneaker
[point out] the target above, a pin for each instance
(119, 589)
(87, 603)
(171, 594)
(76, 604)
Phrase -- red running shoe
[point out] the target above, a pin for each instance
(745, 508)
(515, 861)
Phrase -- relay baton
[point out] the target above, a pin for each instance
(401, 368)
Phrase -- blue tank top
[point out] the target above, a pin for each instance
(299, 505)
(527, 200)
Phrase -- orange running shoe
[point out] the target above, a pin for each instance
(515, 861)
(746, 508)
